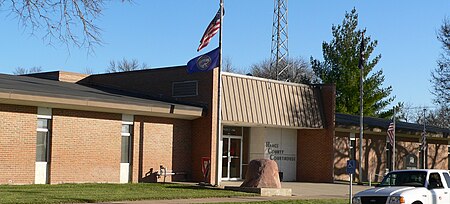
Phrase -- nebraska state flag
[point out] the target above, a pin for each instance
(205, 62)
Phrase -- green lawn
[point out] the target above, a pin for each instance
(79, 193)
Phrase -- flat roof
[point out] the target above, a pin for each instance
(25, 90)
(353, 120)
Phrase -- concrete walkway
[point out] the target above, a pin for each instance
(300, 190)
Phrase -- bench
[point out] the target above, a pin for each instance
(163, 172)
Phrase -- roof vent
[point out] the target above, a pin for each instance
(185, 89)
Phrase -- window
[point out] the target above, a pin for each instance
(447, 179)
(126, 143)
(405, 178)
(231, 130)
(423, 157)
(42, 139)
(448, 154)
(389, 157)
(353, 148)
(435, 181)
(185, 89)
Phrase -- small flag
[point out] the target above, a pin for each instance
(391, 133)
(423, 141)
(204, 62)
(210, 31)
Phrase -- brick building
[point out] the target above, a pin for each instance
(377, 154)
(60, 127)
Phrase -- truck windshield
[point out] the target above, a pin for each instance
(405, 178)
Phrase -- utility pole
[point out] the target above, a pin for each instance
(279, 50)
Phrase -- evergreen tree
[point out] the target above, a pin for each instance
(340, 66)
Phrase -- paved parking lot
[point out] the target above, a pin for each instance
(315, 190)
(300, 190)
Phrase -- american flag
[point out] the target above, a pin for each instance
(423, 141)
(391, 133)
(212, 29)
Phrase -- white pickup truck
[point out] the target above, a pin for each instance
(419, 186)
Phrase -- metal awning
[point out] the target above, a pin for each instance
(254, 101)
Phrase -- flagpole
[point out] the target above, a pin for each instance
(361, 116)
(393, 145)
(219, 99)
(424, 143)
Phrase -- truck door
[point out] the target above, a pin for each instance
(447, 182)
(439, 191)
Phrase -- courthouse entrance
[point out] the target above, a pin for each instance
(232, 153)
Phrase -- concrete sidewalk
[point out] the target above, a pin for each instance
(300, 190)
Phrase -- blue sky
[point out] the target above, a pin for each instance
(167, 32)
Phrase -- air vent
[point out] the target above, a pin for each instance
(184, 88)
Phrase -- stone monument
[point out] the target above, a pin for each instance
(262, 173)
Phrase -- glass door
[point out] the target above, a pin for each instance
(232, 158)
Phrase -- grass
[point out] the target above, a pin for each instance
(89, 193)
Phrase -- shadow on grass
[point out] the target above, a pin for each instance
(79, 200)
(193, 187)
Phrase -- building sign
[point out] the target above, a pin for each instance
(273, 151)
(276, 144)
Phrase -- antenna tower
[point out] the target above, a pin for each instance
(279, 50)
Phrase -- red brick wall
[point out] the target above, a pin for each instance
(160, 141)
(205, 133)
(374, 158)
(437, 154)
(85, 147)
(315, 148)
(158, 82)
(17, 144)
(341, 155)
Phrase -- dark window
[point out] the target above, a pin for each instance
(448, 159)
(435, 181)
(42, 139)
(231, 130)
(353, 148)
(405, 178)
(41, 146)
(423, 156)
(389, 157)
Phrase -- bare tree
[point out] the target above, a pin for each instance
(88, 71)
(439, 117)
(441, 74)
(229, 67)
(22, 71)
(298, 71)
(125, 65)
(63, 20)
